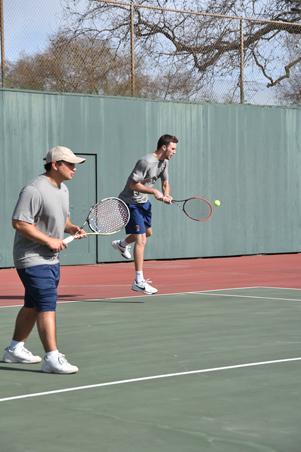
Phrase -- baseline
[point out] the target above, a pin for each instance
(149, 378)
(217, 293)
(135, 297)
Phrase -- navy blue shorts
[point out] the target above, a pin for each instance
(140, 218)
(40, 283)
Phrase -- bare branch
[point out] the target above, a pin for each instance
(287, 72)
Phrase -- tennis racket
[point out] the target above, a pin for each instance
(196, 208)
(106, 217)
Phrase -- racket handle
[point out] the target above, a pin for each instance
(69, 239)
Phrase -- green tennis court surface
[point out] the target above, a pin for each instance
(212, 371)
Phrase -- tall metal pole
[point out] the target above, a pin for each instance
(242, 61)
(133, 74)
(2, 42)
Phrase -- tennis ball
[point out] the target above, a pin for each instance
(217, 203)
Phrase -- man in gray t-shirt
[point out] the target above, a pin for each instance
(139, 185)
(47, 206)
(40, 219)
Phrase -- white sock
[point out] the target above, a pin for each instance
(123, 243)
(53, 354)
(139, 276)
(14, 344)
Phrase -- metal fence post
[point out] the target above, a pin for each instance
(2, 42)
(132, 34)
(242, 61)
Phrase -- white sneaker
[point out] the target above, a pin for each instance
(124, 250)
(58, 365)
(145, 287)
(20, 354)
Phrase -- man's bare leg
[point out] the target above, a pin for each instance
(25, 322)
(139, 251)
(46, 323)
(16, 352)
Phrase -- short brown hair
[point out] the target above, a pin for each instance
(164, 140)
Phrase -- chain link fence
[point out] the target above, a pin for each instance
(137, 49)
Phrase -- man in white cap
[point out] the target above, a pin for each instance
(40, 218)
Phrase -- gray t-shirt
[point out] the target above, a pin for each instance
(147, 170)
(47, 207)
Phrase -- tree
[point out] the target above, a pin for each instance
(204, 48)
(295, 6)
(84, 64)
(290, 87)
(75, 65)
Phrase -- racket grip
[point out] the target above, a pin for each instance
(69, 239)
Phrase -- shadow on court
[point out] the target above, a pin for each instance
(14, 367)
(11, 297)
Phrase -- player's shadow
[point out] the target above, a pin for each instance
(11, 297)
(121, 301)
(13, 367)
(21, 297)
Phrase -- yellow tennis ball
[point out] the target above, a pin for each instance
(217, 203)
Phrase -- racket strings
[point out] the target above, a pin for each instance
(108, 216)
(197, 209)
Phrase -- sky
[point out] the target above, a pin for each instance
(28, 25)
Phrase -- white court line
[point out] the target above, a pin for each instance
(173, 294)
(228, 288)
(205, 292)
(138, 297)
(280, 288)
(248, 296)
(153, 377)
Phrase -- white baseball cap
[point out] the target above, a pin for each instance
(62, 153)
